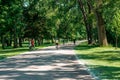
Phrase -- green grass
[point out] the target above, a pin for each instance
(104, 62)
(9, 51)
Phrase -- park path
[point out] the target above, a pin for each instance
(44, 64)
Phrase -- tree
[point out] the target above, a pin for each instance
(62, 19)
(101, 25)
(112, 7)
(115, 29)
(100, 21)
(86, 14)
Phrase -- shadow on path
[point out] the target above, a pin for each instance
(45, 64)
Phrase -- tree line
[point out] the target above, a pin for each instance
(98, 21)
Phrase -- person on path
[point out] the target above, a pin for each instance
(56, 42)
(31, 44)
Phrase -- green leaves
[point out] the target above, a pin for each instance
(56, 18)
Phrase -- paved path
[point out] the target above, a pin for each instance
(45, 64)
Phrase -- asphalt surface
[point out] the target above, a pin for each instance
(44, 64)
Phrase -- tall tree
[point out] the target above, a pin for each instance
(101, 25)
(86, 14)
(97, 9)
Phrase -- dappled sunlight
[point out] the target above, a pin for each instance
(106, 72)
(44, 64)
(104, 62)
(66, 79)
(36, 68)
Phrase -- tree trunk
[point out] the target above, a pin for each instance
(101, 29)
(7, 42)
(52, 39)
(3, 42)
(10, 41)
(116, 45)
(87, 24)
(15, 38)
(100, 22)
(38, 42)
(1, 39)
(41, 40)
(15, 42)
(20, 42)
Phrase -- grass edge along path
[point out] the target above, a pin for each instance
(4, 53)
(103, 62)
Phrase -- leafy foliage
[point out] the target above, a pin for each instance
(51, 19)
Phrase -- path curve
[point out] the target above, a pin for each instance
(44, 64)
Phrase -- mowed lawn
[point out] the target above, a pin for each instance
(10, 51)
(104, 62)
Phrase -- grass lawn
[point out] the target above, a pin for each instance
(15, 51)
(104, 62)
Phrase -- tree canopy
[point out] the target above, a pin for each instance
(98, 21)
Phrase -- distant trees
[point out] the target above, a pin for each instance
(10, 21)
(61, 19)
